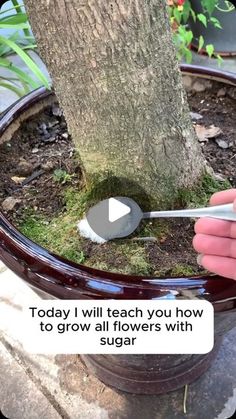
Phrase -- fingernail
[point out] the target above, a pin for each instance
(199, 259)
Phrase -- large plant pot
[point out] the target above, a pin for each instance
(55, 277)
(224, 40)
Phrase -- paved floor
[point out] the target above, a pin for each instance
(35, 387)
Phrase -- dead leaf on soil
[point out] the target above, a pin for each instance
(204, 133)
(17, 179)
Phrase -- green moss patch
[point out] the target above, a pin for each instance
(159, 247)
(201, 194)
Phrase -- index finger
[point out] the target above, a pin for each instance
(224, 197)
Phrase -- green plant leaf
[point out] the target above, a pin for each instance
(193, 14)
(15, 18)
(17, 5)
(189, 37)
(12, 8)
(210, 49)
(13, 26)
(28, 61)
(186, 11)
(219, 60)
(200, 43)
(202, 18)
(11, 87)
(22, 76)
(16, 37)
(177, 15)
(209, 6)
(215, 22)
(19, 16)
(29, 46)
(8, 78)
(4, 62)
(188, 55)
(16, 21)
(24, 42)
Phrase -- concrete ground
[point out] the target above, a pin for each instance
(34, 386)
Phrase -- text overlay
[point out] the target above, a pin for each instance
(118, 327)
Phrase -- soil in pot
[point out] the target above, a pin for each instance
(41, 190)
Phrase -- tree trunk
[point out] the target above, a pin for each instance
(116, 75)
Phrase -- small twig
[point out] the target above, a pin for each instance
(32, 177)
(145, 239)
(102, 389)
(48, 179)
(59, 154)
(185, 399)
(28, 180)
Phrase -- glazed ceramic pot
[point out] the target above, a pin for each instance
(55, 277)
(224, 40)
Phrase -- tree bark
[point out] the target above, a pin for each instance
(116, 75)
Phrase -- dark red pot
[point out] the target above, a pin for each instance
(56, 277)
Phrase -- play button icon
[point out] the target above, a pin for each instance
(114, 217)
(116, 210)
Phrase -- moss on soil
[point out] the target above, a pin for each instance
(59, 234)
(199, 196)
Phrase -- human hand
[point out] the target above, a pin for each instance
(215, 240)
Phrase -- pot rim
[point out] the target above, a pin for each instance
(62, 278)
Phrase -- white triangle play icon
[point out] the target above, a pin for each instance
(117, 210)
